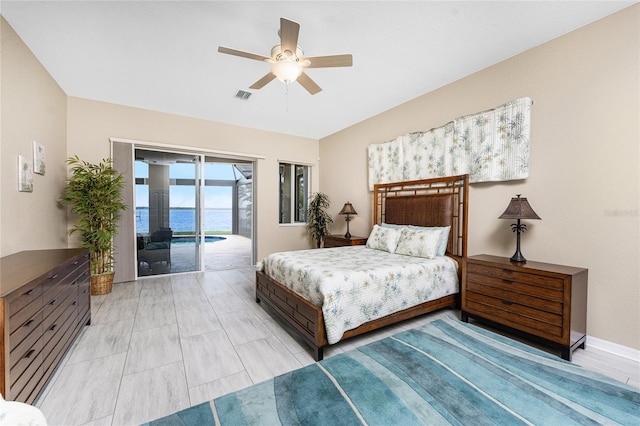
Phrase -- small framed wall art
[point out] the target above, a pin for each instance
(38, 158)
(25, 174)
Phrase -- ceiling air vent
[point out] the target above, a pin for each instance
(243, 95)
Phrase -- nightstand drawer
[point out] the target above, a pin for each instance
(341, 241)
(516, 284)
(513, 307)
(512, 296)
(519, 317)
(511, 276)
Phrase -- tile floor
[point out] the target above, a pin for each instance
(161, 344)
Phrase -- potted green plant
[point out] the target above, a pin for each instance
(93, 193)
(318, 219)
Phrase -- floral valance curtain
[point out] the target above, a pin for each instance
(490, 146)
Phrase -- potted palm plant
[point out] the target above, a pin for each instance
(93, 193)
(318, 219)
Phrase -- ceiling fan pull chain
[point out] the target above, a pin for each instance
(286, 93)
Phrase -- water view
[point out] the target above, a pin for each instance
(184, 220)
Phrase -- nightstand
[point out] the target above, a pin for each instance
(341, 241)
(543, 301)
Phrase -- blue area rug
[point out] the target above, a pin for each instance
(446, 372)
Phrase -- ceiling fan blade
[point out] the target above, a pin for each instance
(262, 82)
(330, 61)
(306, 82)
(289, 31)
(242, 54)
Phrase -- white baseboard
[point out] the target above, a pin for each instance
(613, 348)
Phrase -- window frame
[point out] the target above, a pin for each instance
(296, 180)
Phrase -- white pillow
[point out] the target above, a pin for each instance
(383, 238)
(392, 225)
(444, 238)
(419, 243)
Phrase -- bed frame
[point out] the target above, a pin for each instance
(430, 202)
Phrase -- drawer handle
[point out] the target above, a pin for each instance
(507, 281)
(29, 354)
(74, 283)
(53, 302)
(507, 302)
(28, 323)
(53, 277)
(76, 262)
(75, 302)
(53, 327)
(29, 293)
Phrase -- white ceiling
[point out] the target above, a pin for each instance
(162, 55)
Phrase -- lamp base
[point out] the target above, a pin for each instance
(348, 234)
(518, 257)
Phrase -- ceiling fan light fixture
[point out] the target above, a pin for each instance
(287, 71)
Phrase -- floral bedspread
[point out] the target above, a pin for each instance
(356, 284)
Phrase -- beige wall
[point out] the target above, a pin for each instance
(584, 179)
(92, 123)
(33, 107)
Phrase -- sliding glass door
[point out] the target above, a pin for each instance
(168, 212)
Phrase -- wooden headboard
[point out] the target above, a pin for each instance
(430, 202)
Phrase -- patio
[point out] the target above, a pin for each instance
(232, 252)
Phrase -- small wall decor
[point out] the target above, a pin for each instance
(38, 158)
(25, 174)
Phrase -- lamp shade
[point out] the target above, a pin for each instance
(348, 209)
(287, 71)
(519, 208)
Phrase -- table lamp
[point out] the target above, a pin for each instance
(518, 208)
(348, 210)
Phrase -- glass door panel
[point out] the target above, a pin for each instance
(167, 212)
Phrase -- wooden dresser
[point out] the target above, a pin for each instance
(44, 302)
(542, 300)
(341, 241)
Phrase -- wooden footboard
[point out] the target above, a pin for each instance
(306, 318)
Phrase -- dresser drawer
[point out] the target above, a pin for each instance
(31, 342)
(25, 360)
(84, 303)
(33, 326)
(64, 281)
(28, 296)
(57, 338)
(26, 375)
(59, 307)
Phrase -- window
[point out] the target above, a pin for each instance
(294, 191)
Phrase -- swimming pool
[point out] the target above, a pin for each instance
(190, 239)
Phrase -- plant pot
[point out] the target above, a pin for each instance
(101, 284)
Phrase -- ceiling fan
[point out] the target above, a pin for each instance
(287, 60)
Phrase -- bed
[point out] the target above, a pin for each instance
(439, 202)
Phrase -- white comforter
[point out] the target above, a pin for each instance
(354, 285)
